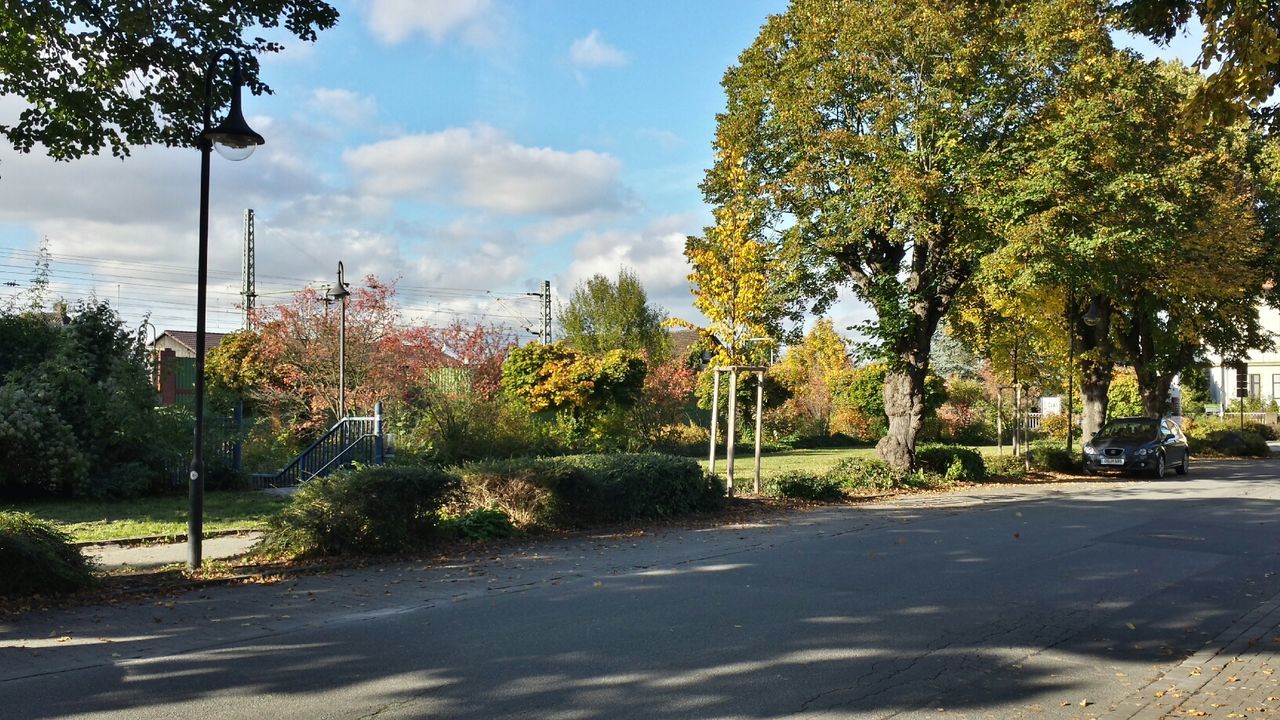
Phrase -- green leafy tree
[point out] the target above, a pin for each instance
(604, 314)
(560, 378)
(1139, 229)
(872, 136)
(1242, 37)
(113, 74)
(1124, 399)
(862, 392)
(77, 406)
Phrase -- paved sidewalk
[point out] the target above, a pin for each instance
(112, 556)
(1237, 675)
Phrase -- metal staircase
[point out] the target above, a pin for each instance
(351, 440)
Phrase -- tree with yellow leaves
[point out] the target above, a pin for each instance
(733, 280)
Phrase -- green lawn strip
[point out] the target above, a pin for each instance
(815, 461)
(88, 521)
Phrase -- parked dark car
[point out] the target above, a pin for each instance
(1138, 444)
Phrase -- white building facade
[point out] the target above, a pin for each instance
(1261, 377)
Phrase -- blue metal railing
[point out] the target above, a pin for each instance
(352, 440)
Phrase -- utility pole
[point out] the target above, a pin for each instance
(544, 329)
(247, 271)
(546, 312)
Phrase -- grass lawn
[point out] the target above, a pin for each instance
(143, 517)
(814, 461)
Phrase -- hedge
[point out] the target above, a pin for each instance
(36, 558)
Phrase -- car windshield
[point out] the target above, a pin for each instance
(1137, 429)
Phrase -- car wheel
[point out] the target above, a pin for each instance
(1159, 471)
(1186, 464)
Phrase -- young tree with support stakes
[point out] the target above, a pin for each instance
(735, 278)
(872, 135)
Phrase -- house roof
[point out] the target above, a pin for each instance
(681, 340)
(187, 339)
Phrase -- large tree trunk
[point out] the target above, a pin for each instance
(904, 404)
(1097, 365)
(1155, 395)
(1093, 391)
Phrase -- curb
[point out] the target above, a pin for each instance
(158, 539)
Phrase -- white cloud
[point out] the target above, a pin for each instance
(664, 139)
(395, 21)
(481, 168)
(655, 255)
(593, 51)
(342, 106)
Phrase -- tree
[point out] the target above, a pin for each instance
(1241, 36)
(115, 73)
(872, 135)
(289, 365)
(587, 397)
(809, 370)
(1136, 228)
(77, 410)
(559, 378)
(735, 277)
(603, 315)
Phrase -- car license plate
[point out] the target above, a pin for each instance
(1112, 461)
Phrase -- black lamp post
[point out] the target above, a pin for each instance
(340, 293)
(235, 141)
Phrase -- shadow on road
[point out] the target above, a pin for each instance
(1015, 603)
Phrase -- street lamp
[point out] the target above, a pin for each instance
(234, 140)
(340, 293)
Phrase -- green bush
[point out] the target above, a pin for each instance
(642, 486)
(925, 479)
(367, 509)
(527, 490)
(119, 482)
(78, 401)
(1265, 431)
(1051, 455)
(37, 559)
(803, 485)
(1005, 466)
(1232, 443)
(1219, 436)
(579, 490)
(863, 474)
(480, 524)
(953, 462)
(445, 429)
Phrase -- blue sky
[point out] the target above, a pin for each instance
(467, 148)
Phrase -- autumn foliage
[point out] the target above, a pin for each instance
(288, 366)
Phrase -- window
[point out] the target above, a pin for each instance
(1255, 386)
(1275, 387)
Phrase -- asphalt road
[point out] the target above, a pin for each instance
(1054, 601)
